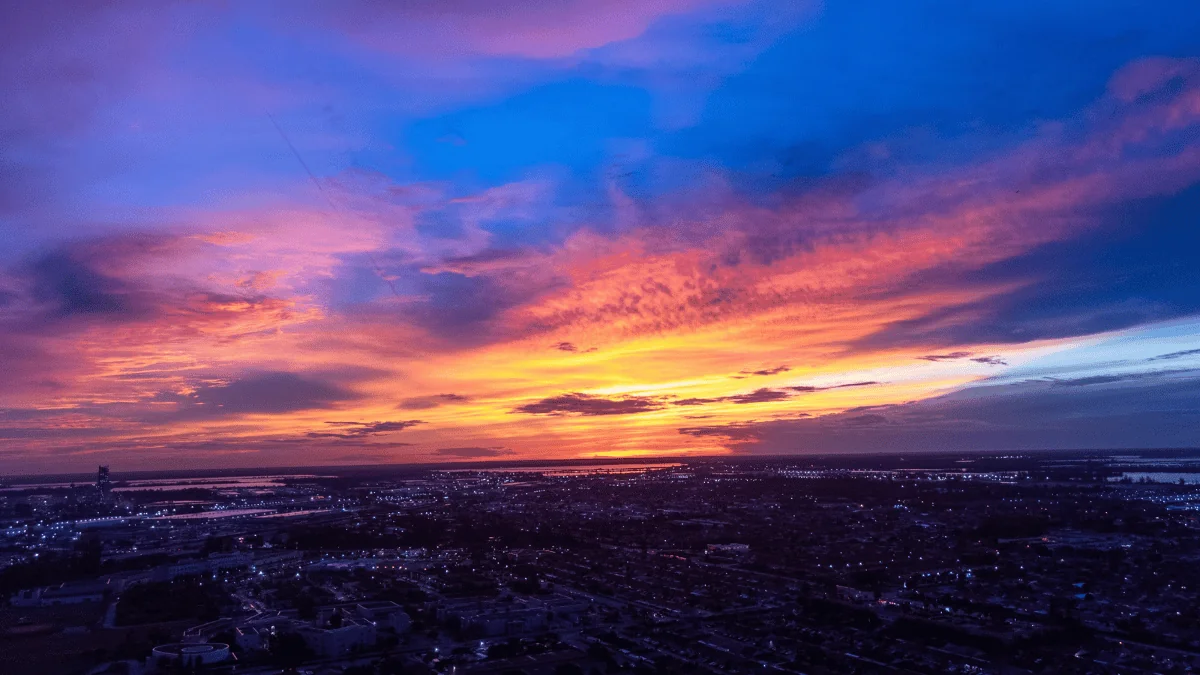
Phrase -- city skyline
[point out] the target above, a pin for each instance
(240, 235)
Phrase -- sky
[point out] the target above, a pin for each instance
(310, 232)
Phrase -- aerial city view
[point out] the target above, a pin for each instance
(587, 337)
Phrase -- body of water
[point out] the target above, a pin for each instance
(1160, 477)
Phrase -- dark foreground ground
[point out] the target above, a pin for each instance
(1082, 563)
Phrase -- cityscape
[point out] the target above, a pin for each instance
(1023, 563)
(599, 337)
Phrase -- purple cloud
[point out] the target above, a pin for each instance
(763, 395)
(1175, 355)
(697, 401)
(952, 356)
(807, 388)
(766, 371)
(587, 405)
(363, 429)
(426, 402)
(258, 393)
(1140, 410)
(542, 29)
(473, 452)
(70, 286)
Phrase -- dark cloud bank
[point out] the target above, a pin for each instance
(1142, 410)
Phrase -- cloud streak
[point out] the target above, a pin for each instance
(473, 452)
(588, 405)
(1100, 412)
(363, 429)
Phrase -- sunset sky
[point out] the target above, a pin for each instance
(263, 233)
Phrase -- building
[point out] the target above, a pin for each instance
(330, 637)
(252, 637)
(337, 631)
(737, 549)
(184, 568)
(30, 597)
(566, 606)
(228, 561)
(192, 655)
(215, 562)
(493, 619)
(267, 559)
(384, 614)
(42, 504)
(75, 593)
(103, 481)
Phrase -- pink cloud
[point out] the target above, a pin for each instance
(723, 258)
(536, 29)
(1150, 74)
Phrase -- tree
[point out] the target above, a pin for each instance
(226, 637)
(391, 666)
(306, 606)
(290, 650)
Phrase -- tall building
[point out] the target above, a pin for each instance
(103, 483)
